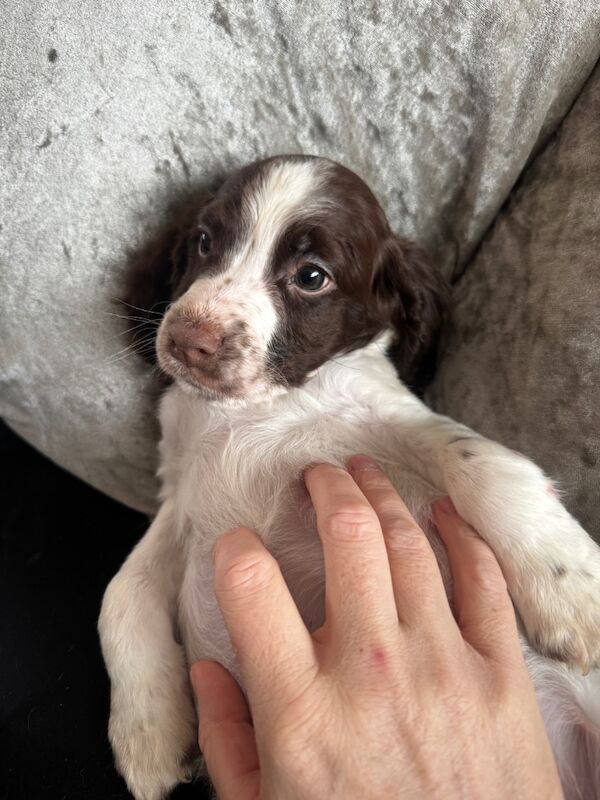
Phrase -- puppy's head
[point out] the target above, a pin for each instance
(290, 263)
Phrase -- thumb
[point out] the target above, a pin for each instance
(226, 735)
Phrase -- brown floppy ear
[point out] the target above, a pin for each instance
(154, 272)
(413, 296)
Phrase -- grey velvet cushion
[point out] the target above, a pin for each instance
(522, 361)
(110, 110)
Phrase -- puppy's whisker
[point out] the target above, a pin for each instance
(146, 341)
(145, 310)
(115, 359)
(129, 331)
(135, 347)
(133, 318)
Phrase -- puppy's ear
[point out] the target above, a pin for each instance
(154, 272)
(412, 296)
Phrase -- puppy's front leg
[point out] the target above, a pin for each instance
(152, 718)
(551, 565)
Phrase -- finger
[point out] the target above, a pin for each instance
(359, 599)
(225, 735)
(418, 586)
(274, 649)
(481, 601)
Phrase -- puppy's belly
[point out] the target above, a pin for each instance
(289, 531)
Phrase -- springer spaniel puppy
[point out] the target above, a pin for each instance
(285, 312)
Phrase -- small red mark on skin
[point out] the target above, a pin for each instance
(551, 490)
(379, 657)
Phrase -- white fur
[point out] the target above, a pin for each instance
(224, 466)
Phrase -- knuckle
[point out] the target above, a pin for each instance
(349, 523)
(404, 535)
(458, 531)
(211, 735)
(206, 736)
(487, 576)
(246, 575)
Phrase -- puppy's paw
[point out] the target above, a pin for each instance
(551, 565)
(155, 746)
(561, 610)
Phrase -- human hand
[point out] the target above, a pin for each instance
(392, 697)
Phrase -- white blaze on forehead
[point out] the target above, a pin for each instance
(285, 191)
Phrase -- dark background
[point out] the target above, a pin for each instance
(60, 544)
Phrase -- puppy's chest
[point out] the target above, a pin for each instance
(225, 471)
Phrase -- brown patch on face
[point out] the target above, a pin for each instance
(312, 329)
(381, 281)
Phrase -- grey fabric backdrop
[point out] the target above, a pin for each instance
(111, 110)
(521, 362)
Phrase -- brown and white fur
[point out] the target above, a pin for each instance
(280, 300)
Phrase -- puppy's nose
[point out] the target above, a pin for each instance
(193, 343)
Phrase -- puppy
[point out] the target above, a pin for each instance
(293, 325)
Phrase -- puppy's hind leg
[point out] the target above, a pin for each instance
(152, 726)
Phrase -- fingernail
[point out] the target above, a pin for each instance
(360, 462)
(446, 506)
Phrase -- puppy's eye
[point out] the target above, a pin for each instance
(204, 243)
(311, 278)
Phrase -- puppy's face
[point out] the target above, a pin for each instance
(290, 263)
